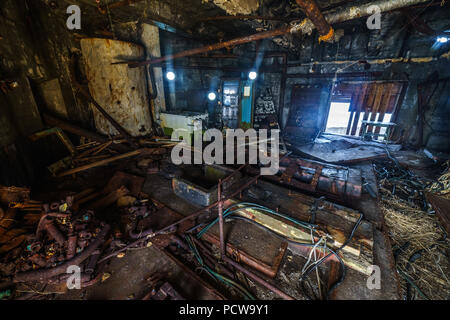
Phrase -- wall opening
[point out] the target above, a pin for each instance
(339, 117)
(363, 109)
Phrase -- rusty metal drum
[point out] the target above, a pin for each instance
(121, 91)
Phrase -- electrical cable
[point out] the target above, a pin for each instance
(216, 275)
(249, 205)
(335, 285)
(310, 226)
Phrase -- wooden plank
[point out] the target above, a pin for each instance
(354, 107)
(385, 104)
(369, 102)
(360, 107)
(376, 104)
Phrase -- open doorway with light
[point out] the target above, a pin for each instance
(364, 109)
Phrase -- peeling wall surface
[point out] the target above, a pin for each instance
(235, 7)
(121, 91)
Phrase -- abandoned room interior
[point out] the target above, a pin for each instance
(224, 150)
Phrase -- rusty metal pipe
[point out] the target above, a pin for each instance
(208, 255)
(92, 263)
(54, 232)
(46, 219)
(358, 11)
(258, 279)
(331, 17)
(37, 259)
(71, 245)
(313, 12)
(189, 217)
(44, 274)
(230, 43)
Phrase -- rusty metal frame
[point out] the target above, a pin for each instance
(242, 256)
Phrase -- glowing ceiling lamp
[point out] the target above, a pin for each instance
(442, 39)
(170, 76)
(212, 96)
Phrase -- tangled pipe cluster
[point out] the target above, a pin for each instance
(63, 238)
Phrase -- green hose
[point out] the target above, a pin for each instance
(249, 205)
(216, 275)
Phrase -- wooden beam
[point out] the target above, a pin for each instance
(385, 104)
(359, 107)
(369, 102)
(376, 104)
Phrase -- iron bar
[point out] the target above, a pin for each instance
(220, 205)
(230, 43)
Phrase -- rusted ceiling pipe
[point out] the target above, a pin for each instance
(332, 17)
(358, 11)
(231, 43)
(312, 11)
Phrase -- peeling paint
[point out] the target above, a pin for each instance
(235, 7)
(112, 85)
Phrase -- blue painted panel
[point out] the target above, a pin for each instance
(247, 103)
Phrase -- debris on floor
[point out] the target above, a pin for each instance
(420, 244)
(224, 150)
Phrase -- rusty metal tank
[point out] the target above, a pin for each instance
(121, 91)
